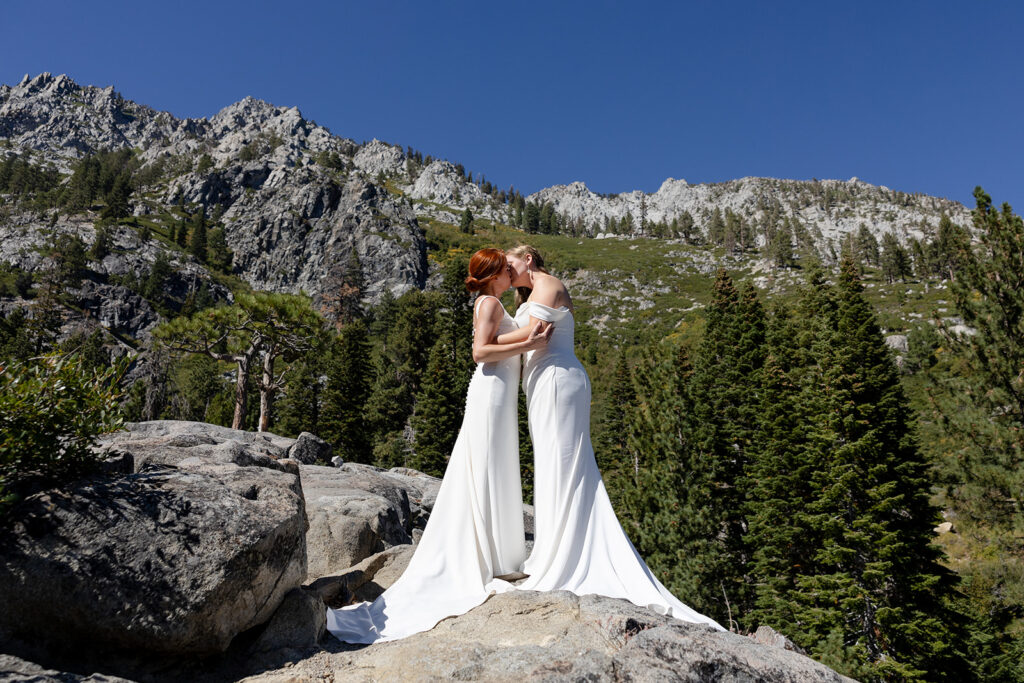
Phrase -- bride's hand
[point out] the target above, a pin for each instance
(540, 335)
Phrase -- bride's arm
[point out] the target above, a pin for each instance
(487, 348)
(523, 333)
(550, 292)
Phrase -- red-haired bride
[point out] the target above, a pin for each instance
(475, 530)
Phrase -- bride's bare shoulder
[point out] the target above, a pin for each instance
(550, 291)
(489, 307)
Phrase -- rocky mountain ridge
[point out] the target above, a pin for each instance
(62, 120)
(296, 203)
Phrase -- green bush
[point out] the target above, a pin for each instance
(52, 409)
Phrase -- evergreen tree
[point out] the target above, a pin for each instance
(780, 536)
(117, 198)
(716, 227)
(400, 365)
(181, 236)
(977, 399)
(68, 256)
(660, 438)
(613, 458)
(101, 244)
(894, 260)
(867, 245)
(197, 245)
(724, 391)
(455, 319)
(195, 381)
(438, 413)
(299, 406)
(153, 287)
(466, 222)
(263, 328)
(349, 379)
(875, 590)
(686, 227)
(220, 255)
(950, 242)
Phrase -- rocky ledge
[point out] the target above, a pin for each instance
(202, 553)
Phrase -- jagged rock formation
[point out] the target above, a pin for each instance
(829, 208)
(297, 202)
(291, 223)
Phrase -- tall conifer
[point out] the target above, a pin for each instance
(349, 377)
(438, 413)
(724, 392)
(873, 602)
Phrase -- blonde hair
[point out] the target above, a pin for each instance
(522, 251)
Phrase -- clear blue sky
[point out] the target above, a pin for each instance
(919, 96)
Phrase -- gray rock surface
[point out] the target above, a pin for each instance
(366, 580)
(291, 222)
(309, 449)
(185, 444)
(298, 623)
(16, 670)
(167, 560)
(851, 203)
(524, 635)
(357, 510)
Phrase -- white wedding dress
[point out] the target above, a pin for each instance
(579, 545)
(475, 530)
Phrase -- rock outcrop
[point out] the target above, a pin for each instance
(184, 562)
(530, 636)
(195, 545)
(357, 510)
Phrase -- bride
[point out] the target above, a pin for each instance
(579, 544)
(475, 531)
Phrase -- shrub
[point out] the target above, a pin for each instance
(52, 409)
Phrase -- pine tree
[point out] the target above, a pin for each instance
(101, 244)
(950, 241)
(978, 404)
(716, 227)
(181, 236)
(466, 222)
(349, 380)
(894, 260)
(437, 416)
(724, 392)
(612, 457)
(877, 584)
(220, 253)
(867, 245)
(780, 536)
(298, 408)
(660, 438)
(197, 245)
(455, 319)
(117, 198)
(401, 364)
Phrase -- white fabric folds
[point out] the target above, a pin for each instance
(475, 531)
(579, 544)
